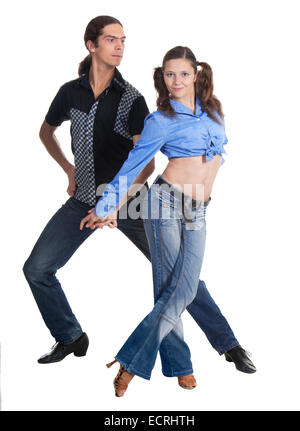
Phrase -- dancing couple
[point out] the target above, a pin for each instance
(114, 137)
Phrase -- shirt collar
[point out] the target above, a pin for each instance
(180, 108)
(117, 82)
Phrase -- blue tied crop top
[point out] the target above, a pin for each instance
(185, 135)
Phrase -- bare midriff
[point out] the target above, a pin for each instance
(193, 175)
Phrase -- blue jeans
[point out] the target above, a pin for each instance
(176, 237)
(55, 246)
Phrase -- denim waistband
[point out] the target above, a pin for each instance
(195, 203)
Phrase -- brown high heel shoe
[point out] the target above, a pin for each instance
(122, 379)
(187, 382)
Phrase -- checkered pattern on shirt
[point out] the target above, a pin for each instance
(82, 141)
(127, 99)
(82, 144)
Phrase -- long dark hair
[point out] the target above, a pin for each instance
(93, 31)
(203, 87)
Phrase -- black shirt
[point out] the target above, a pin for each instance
(101, 129)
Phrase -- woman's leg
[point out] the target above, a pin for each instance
(173, 345)
(164, 243)
(139, 353)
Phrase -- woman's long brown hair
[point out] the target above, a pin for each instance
(203, 87)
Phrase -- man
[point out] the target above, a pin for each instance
(107, 116)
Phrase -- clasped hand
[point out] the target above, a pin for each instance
(93, 221)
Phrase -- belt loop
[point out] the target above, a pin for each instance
(207, 202)
(156, 181)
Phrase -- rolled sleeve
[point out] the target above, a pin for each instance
(218, 137)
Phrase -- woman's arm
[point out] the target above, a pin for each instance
(218, 138)
(111, 220)
(140, 179)
(93, 221)
(135, 171)
(150, 142)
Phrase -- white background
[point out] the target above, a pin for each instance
(252, 255)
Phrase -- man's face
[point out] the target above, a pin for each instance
(111, 45)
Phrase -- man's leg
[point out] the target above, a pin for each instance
(57, 243)
(212, 322)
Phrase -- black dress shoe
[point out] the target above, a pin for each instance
(60, 351)
(241, 359)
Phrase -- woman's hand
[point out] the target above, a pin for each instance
(110, 220)
(93, 221)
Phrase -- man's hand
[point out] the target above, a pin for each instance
(71, 176)
(93, 221)
(52, 145)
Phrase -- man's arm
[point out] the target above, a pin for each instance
(52, 145)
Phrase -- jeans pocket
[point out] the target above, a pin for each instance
(195, 218)
(167, 199)
(168, 207)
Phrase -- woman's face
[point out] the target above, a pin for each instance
(180, 78)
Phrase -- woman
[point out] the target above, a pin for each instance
(188, 128)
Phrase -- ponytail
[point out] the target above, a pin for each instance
(84, 66)
(204, 90)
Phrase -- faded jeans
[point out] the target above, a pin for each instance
(176, 236)
(57, 243)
